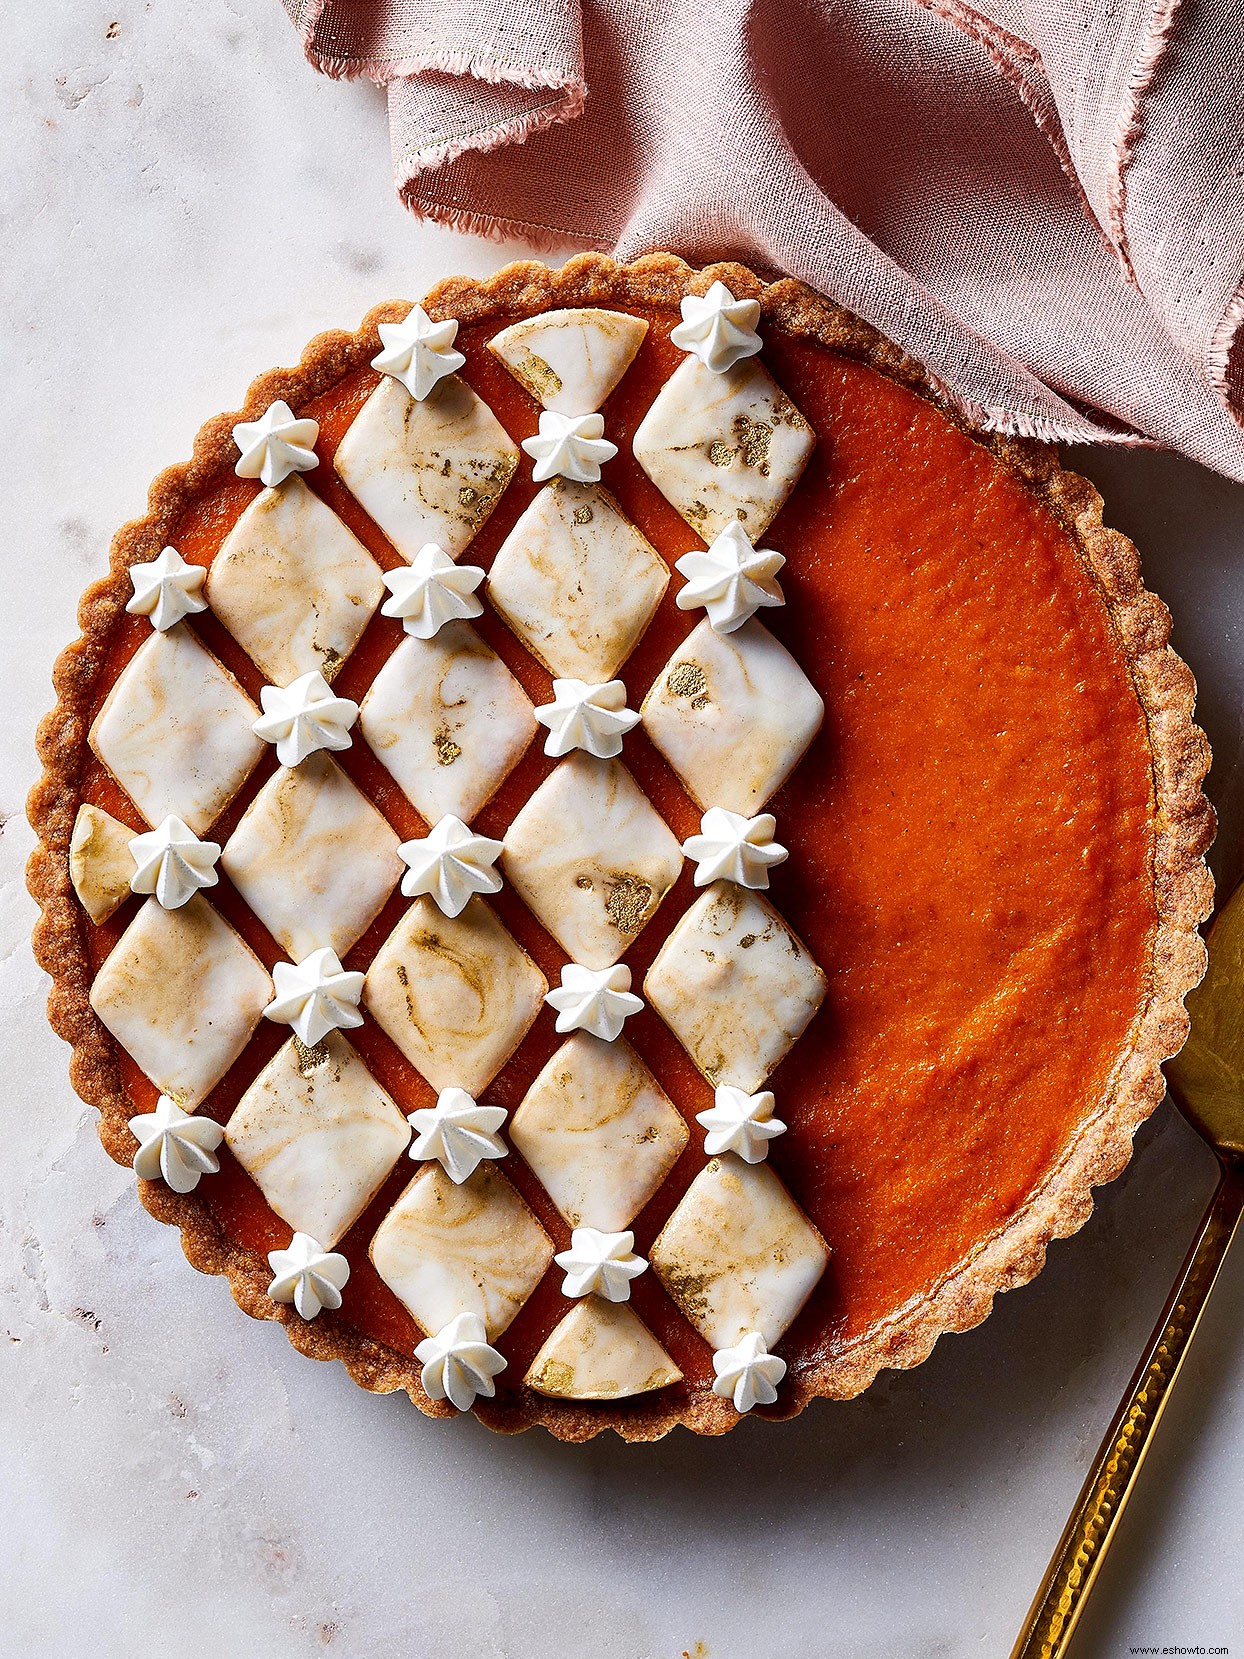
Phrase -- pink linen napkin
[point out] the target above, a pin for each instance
(1043, 200)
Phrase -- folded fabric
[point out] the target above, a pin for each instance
(1043, 201)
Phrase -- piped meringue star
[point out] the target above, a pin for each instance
(458, 1132)
(589, 717)
(431, 591)
(167, 589)
(717, 328)
(275, 445)
(304, 716)
(418, 352)
(569, 446)
(596, 1000)
(601, 1264)
(741, 1123)
(316, 996)
(732, 580)
(731, 847)
(172, 863)
(458, 1363)
(748, 1373)
(308, 1276)
(449, 864)
(175, 1145)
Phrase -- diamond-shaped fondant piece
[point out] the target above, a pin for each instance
(182, 993)
(100, 862)
(577, 582)
(723, 446)
(733, 714)
(734, 985)
(430, 471)
(601, 1351)
(738, 1254)
(317, 1134)
(449, 720)
(457, 994)
(293, 585)
(591, 857)
(175, 731)
(570, 361)
(599, 1131)
(445, 1249)
(313, 858)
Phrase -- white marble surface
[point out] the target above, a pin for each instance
(185, 203)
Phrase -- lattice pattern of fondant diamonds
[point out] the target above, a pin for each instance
(591, 856)
(577, 584)
(182, 993)
(100, 862)
(313, 858)
(724, 446)
(457, 994)
(601, 1351)
(570, 361)
(599, 1131)
(317, 1134)
(448, 720)
(733, 714)
(445, 1249)
(175, 731)
(293, 585)
(429, 471)
(735, 985)
(738, 1254)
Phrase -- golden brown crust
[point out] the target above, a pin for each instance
(1184, 828)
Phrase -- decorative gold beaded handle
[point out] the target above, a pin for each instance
(1054, 1614)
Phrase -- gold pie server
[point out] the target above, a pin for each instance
(1206, 1081)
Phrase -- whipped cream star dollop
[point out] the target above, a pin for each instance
(589, 717)
(731, 847)
(175, 1146)
(741, 1123)
(458, 1132)
(431, 591)
(304, 716)
(275, 445)
(307, 1275)
(717, 328)
(731, 579)
(167, 589)
(748, 1373)
(596, 1000)
(569, 446)
(449, 864)
(316, 996)
(417, 352)
(601, 1264)
(458, 1363)
(172, 863)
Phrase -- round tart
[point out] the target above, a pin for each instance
(650, 877)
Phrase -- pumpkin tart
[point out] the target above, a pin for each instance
(685, 863)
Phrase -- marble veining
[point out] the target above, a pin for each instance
(447, 1248)
(723, 446)
(448, 720)
(430, 471)
(577, 581)
(293, 585)
(317, 1134)
(738, 1254)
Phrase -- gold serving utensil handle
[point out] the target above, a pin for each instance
(1207, 1084)
(1071, 1573)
